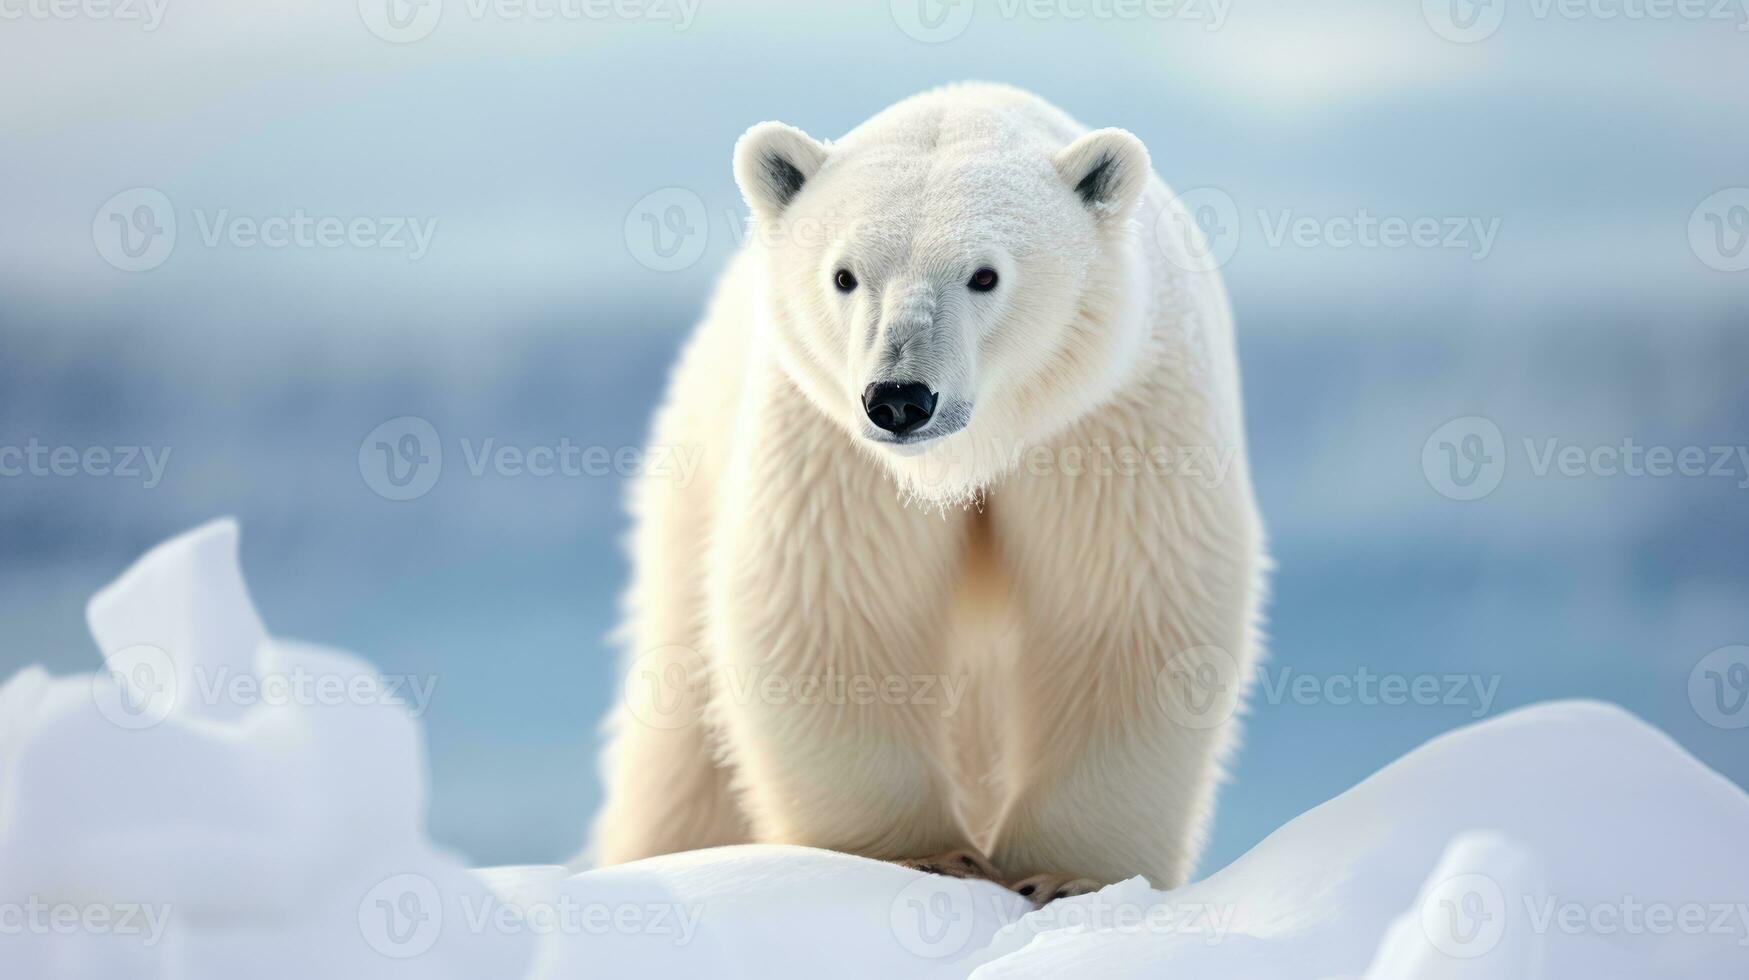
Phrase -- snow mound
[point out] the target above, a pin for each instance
(218, 803)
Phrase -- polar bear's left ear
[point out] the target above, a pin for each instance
(1107, 169)
(772, 163)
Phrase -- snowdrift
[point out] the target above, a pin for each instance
(219, 803)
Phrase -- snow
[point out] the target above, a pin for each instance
(220, 803)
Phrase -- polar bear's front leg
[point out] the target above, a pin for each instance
(829, 601)
(1126, 585)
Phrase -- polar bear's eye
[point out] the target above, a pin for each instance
(983, 280)
(844, 281)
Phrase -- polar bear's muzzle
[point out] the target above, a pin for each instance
(906, 413)
(899, 407)
(914, 362)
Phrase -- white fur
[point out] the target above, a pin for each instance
(1056, 594)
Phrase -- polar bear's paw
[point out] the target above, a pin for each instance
(1046, 888)
(963, 863)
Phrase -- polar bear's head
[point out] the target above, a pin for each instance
(955, 279)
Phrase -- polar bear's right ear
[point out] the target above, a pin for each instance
(772, 163)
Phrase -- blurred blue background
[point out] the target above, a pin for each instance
(542, 310)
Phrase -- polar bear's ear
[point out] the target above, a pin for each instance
(772, 163)
(1107, 169)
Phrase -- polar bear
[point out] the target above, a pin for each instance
(970, 419)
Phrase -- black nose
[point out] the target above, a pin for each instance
(898, 406)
